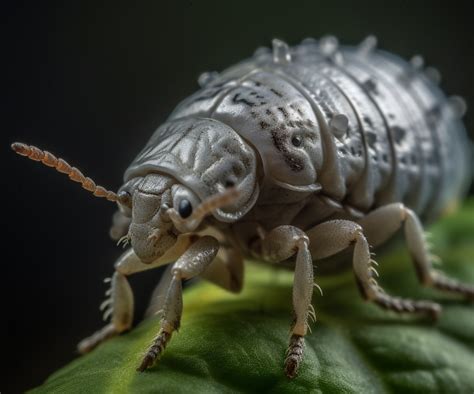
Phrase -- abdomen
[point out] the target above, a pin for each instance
(405, 140)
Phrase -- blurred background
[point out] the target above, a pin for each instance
(90, 81)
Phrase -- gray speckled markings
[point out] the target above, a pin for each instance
(404, 141)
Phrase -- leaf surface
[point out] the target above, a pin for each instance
(236, 343)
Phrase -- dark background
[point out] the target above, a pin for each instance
(90, 81)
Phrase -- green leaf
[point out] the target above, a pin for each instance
(237, 343)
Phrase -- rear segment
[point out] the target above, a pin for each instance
(405, 140)
(440, 155)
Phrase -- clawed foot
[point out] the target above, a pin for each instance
(155, 350)
(447, 284)
(401, 305)
(294, 355)
(89, 343)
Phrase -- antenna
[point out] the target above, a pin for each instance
(48, 159)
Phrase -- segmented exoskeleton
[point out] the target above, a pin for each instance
(291, 156)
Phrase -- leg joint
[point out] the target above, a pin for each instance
(301, 240)
(405, 212)
(122, 270)
(177, 274)
(357, 233)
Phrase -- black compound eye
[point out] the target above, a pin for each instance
(125, 198)
(296, 140)
(185, 208)
(229, 183)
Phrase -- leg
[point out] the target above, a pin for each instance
(280, 244)
(192, 263)
(119, 305)
(382, 223)
(332, 237)
(158, 296)
(226, 270)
